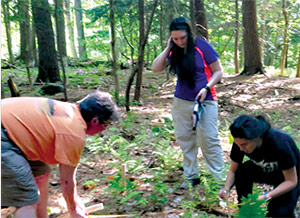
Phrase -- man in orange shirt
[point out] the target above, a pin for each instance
(36, 132)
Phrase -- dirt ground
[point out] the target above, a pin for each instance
(237, 94)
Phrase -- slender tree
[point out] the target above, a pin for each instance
(142, 43)
(5, 7)
(60, 28)
(252, 56)
(24, 21)
(70, 28)
(263, 27)
(192, 16)
(113, 48)
(200, 18)
(298, 64)
(285, 38)
(80, 30)
(236, 44)
(48, 67)
(32, 45)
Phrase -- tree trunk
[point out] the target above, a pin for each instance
(80, 31)
(192, 16)
(236, 44)
(161, 26)
(48, 67)
(113, 49)
(142, 43)
(285, 38)
(70, 28)
(24, 20)
(60, 28)
(129, 83)
(298, 65)
(7, 30)
(140, 65)
(263, 28)
(33, 45)
(200, 18)
(162, 33)
(2, 89)
(252, 63)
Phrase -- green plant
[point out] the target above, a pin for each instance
(124, 191)
(252, 207)
(211, 191)
(90, 184)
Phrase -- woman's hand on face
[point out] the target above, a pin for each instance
(202, 95)
(170, 41)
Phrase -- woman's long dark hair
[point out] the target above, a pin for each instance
(181, 63)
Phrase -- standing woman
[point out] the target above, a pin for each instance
(274, 160)
(198, 69)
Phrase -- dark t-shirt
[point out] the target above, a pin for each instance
(278, 152)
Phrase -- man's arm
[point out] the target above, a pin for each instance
(68, 185)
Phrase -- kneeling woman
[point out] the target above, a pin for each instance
(274, 160)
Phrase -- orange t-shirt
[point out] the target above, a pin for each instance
(51, 134)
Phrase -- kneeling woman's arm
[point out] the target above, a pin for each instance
(225, 192)
(290, 182)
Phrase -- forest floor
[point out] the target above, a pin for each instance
(276, 97)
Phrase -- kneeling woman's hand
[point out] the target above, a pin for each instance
(224, 194)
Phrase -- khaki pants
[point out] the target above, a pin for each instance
(205, 137)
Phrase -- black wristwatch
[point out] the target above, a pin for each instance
(207, 88)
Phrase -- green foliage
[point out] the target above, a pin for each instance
(118, 187)
(211, 191)
(89, 184)
(164, 129)
(252, 207)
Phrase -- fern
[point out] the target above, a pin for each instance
(252, 207)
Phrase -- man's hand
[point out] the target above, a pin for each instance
(78, 214)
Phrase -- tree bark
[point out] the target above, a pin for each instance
(140, 66)
(48, 67)
(252, 56)
(298, 65)
(192, 16)
(7, 30)
(236, 44)
(24, 21)
(33, 49)
(60, 28)
(142, 43)
(200, 18)
(161, 28)
(80, 30)
(70, 29)
(113, 49)
(285, 38)
(263, 28)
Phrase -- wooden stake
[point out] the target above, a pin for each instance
(123, 174)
